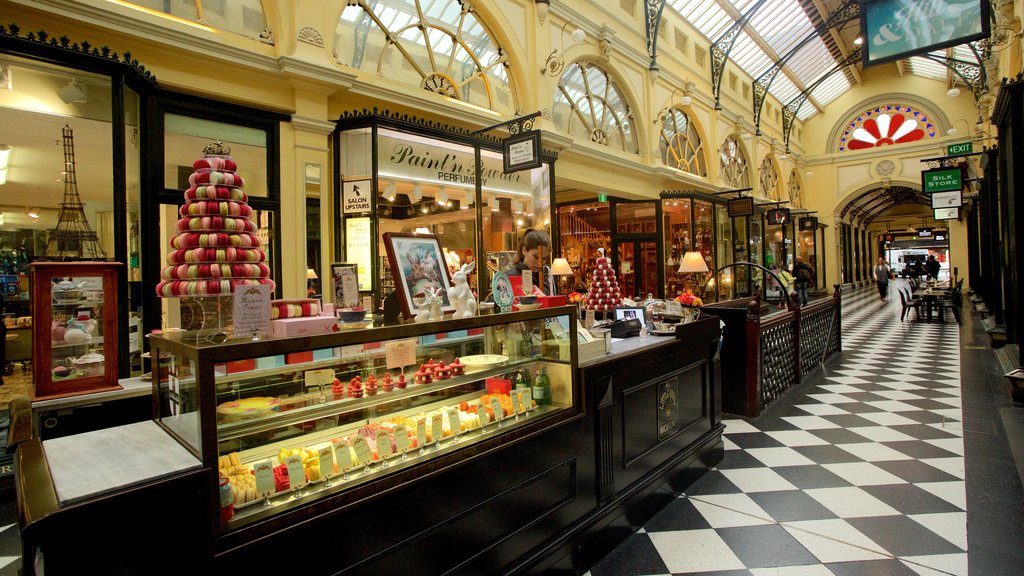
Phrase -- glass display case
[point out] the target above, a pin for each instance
(285, 422)
(74, 327)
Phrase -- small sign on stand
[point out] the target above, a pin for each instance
(251, 311)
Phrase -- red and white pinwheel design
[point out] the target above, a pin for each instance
(885, 129)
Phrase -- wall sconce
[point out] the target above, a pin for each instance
(417, 193)
(556, 60)
(5, 156)
(542, 9)
(952, 129)
(685, 101)
(653, 73)
(72, 93)
(953, 92)
(32, 213)
(389, 192)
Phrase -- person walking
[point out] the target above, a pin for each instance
(882, 272)
(933, 267)
(803, 274)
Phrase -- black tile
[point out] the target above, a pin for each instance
(754, 440)
(923, 431)
(915, 472)
(839, 436)
(937, 393)
(637, 555)
(791, 506)
(850, 420)
(680, 514)
(774, 422)
(714, 482)
(716, 573)
(738, 459)
(927, 404)
(866, 396)
(870, 387)
(901, 536)
(919, 449)
(810, 477)
(766, 546)
(859, 408)
(924, 417)
(909, 499)
(827, 454)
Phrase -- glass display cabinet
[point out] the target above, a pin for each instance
(74, 327)
(286, 422)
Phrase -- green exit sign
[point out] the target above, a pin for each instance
(940, 180)
(960, 148)
(602, 197)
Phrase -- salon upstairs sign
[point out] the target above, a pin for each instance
(418, 159)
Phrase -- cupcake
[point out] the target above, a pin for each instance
(458, 368)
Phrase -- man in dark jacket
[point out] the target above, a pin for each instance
(803, 274)
(932, 266)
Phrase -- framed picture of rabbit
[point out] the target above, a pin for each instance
(419, 270)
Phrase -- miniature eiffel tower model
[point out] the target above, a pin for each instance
(72, 239)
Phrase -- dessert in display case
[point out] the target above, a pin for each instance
(286, 422)
(74, 328)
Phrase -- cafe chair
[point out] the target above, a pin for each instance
(909, 304)
(951, 303)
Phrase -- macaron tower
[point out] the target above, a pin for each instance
(216, 248)
(604, 293)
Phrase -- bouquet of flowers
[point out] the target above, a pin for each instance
(575, 296)
(688, 299)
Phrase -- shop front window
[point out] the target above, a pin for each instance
(718, 288)
(678, 241)
(440, 47)
(583, 229)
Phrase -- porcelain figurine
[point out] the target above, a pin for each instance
(460, 295)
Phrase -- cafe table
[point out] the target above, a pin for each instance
(930, 297)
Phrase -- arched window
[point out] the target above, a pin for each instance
(733, 163)
(884, 125)
(769, 179)
(794, 189)
(438, 46)
(681, 146)
(243, 17)
(589, 105)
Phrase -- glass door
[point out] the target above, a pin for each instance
(637, 267)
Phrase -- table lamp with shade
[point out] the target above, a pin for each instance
(693, 263)
(311, 281)
(560, 267)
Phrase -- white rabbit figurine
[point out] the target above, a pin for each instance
(460, 295)
(430, 309)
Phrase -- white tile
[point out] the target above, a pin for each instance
(737, 426)
(808, 570)
(822, 409)
(954, 445)
(775, 457)
(952, 492)
(954, 465)
(834, 541)
(831, 398)
(839, 388)
(873, 452)
(863, 474)
(730, 510)
(810, 422)
(847, 380)
(793, 438)
(893, 406)
(695, 551)
(851, 502)
(752, 480)
(729, 444)
(950, 426)
(950, 400)
(897, 395)
(951, 413)
(902, 384)
(6, 561)
(854, 372)
(937, 565)
(887, 419)
(951, 525)
(881, 433)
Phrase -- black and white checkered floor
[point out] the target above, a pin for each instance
(857, 472)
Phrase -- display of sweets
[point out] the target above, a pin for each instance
(603, 294)
(217, 247)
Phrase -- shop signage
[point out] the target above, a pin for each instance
(896, 29)
(959, 148)
(668, 408)
(809, 223)
(521, 152)
(947, 213)
(924, 232)
(419, 159)
(949, 199)
(941, 179)
(355, 196)
(357, 249)
(741, 207)
(602, 197)
(777, 216)
(889, 237)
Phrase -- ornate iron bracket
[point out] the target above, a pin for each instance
(515, 125)
(789, 110)
(972, 74)
(654, 8)
(721, 48)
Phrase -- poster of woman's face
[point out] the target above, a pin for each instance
(418, 265)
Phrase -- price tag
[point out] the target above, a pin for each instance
(348, 352)
(454, 421)
(326, 455)
(362, 450)
(517, 402)
(401, 438)
(383, 445)
(527, 285)
(344, 456)
(436, 428)
(481, 414)
(296, 472)
(526, 399)
(318, 377)
(264, 478)
(496, 408)
(400, 354)
(421, 432)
